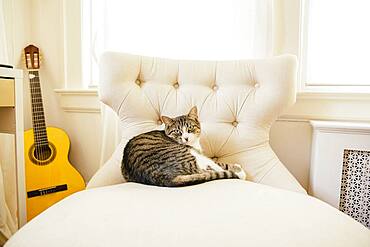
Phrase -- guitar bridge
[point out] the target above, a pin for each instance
(46, 191)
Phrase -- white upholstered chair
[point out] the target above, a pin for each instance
(238, 101)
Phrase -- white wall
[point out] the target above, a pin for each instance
(291, 140)
(77, 112)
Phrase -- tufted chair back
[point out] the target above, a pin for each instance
(237, 102)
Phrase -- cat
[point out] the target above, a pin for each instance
(173, 157)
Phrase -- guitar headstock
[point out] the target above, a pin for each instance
(32, 57)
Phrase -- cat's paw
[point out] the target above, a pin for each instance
(239, 171)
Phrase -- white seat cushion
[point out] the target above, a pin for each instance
(215, 214)
(237, 101)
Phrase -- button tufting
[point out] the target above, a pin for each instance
(176, 85)
(159, 122)
(138, 82)
(215, 88)
(257, 85)
(235, 123)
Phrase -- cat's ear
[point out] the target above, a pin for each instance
(193, 113)
(167, 120)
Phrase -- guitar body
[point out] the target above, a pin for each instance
(51, 178)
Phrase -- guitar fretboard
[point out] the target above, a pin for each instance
(38, 117)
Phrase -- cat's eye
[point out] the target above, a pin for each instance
(177, 132)
(191, 129)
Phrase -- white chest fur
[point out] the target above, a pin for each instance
(204, 162)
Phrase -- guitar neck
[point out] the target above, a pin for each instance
(38, 117)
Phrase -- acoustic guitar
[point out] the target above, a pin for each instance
(50, 176)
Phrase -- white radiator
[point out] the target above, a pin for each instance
(340, 167)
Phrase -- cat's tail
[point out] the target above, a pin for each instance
(183, 180)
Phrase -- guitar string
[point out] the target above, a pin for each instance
(42, 118)
(41, 150)
(36, 133)
(46, 149)
(38, 136)
(38, 87)
(47, 152)
(34, 115)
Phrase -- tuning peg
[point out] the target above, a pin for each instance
(41, 60)
(23, 59)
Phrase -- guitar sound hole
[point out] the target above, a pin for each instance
(42, 153)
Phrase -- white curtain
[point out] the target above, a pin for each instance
(191, 29)
(8, 187)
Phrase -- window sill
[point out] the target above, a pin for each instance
(82, 92)
(79, 100)
(335, 88)
(331, 106)
(333, 96)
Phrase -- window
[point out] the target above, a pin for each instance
(191, 29)
(336, 49)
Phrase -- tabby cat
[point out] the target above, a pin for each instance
(173, 157)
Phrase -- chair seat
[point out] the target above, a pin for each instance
(218, 214)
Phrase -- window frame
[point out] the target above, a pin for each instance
(295, 44)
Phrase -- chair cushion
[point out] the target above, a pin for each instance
(237, 102)
(218, 214)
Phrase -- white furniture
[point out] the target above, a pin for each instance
(332, 143)
(221, 213)
(237, 102)
(13, 207)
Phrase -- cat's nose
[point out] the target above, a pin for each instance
(186, 139)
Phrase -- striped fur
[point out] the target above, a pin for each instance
(163, 158)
